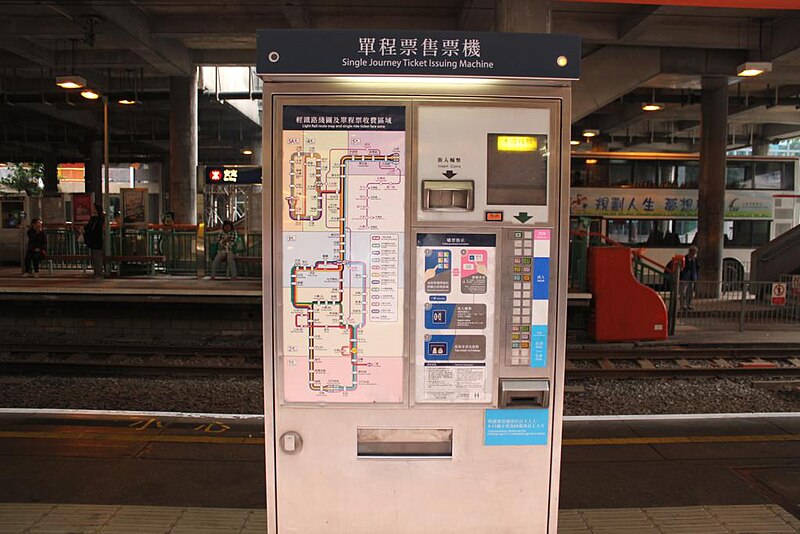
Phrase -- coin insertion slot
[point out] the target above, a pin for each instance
(405, 442)
(524, 393)
(448, 195)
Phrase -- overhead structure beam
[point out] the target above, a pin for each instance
(476, 15)
(634, 25)
(28, 50)
(610, 73)
(297, 14)
(167, 55)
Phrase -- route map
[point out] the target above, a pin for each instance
(343, 191)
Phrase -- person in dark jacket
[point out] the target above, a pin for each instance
(93, 237)
(689, 275)
(37, 248)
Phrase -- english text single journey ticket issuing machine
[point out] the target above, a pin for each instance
(414, 279)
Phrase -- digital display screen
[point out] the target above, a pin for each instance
(516, 169)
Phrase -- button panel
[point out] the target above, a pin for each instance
(518, 300)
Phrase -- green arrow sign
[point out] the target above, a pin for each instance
(523, 217)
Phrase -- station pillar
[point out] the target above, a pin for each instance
(93, 177)
(523, 16)
(711, 197)
(760, 146)
(183, 148)
(50, 175)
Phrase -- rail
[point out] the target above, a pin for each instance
(737, 305)
(149, 250)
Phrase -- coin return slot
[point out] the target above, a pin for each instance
(522, 393)
(405, 443)
(440, 195)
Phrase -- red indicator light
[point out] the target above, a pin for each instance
(494, 216)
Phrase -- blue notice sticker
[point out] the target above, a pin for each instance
(541, 278)
(516, 427)
(539, 346)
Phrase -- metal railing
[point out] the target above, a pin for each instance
(734, 306)
(176, 244)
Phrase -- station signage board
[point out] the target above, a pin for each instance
(232, 175)
(285, 53)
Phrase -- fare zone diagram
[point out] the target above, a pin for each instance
(343, 223)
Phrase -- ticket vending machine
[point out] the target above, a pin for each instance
(415, 301)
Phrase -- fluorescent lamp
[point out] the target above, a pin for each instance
(589, 132)
(753, 68)
(652, 106)
(90, 94)
(71, 81)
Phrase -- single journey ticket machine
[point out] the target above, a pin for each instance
(415, 267)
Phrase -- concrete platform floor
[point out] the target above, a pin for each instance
(619, 474)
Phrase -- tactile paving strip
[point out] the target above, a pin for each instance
(683, 520)
(73, 518)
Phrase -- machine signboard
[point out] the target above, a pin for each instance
(343, 175)
(418, 53)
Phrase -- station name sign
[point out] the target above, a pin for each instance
(417, 53)
(232, 175)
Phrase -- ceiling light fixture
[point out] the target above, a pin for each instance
(589, 132)
(247, 152)
(90, 94)
(591, 162)
(70, 81)
(753, 68)
(574, 142)
(652, 106)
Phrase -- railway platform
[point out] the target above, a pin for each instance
(165, 472)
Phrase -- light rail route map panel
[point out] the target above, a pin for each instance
(343, 191)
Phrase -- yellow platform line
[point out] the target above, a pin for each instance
(172, 438)
(131, 437)
(677, 440)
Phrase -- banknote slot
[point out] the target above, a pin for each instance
(405, 443)
(524, 393)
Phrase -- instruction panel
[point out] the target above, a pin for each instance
(455, 317)
(343, 177)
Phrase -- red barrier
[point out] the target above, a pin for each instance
(624, 308)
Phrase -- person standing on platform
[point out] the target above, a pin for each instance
(93, 237)
(226, 250)
(689, 275)
(37, 248)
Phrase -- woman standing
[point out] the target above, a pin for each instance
(37, 248)
(226, 250)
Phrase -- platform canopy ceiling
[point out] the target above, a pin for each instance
(632, 53)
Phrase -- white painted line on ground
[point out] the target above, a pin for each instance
(131, 413)
(685, 416)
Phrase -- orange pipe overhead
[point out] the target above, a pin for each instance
(739, 4)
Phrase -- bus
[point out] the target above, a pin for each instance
(649, 200)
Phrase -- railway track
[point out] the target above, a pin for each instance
(139, 360)
(162, 361)
(683, 361)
